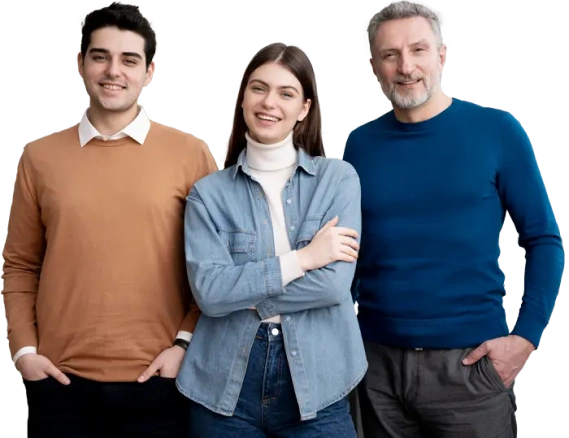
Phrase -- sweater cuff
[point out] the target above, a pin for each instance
(290, 267)
(22, 351)
(186, 336)
(530, 325)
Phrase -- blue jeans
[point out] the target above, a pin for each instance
(267, 404)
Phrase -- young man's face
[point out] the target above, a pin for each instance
(114, 69)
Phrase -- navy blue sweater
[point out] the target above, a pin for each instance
(434, 198)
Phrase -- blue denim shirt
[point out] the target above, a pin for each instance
(232, 267)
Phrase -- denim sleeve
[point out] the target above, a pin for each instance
(330, 285)
(218, 285)
(523, 193)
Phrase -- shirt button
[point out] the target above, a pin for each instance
(293, 352)
(292, 228)
(265, 222)
(289, 201)
(275, 331)
(287, 318)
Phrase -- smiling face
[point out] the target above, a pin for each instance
(407, 61)
(114, 70)
(272, 103)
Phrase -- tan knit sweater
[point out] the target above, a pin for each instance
(94, 272)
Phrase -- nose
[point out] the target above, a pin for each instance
(406, 64)
(113, 68)
(269, 101)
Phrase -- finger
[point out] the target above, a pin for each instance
(349, 251)
(348, 241)
(149, 372)
(54, 372)
(347, 232)
(343, 257)
(476, 354)
(331, 223)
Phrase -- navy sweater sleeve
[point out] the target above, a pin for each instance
(523, 193)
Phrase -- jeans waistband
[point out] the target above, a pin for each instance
(269, 331)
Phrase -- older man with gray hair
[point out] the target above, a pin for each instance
(438, 175)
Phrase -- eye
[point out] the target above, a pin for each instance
(287, 94)
(130, 61)
(257, 89)
(99, 57)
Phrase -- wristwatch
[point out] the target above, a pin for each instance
(182, 343)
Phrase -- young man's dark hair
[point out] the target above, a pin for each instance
(124, 17)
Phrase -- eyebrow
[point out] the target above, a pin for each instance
(107, 52)
(423, 41)
(268, 86)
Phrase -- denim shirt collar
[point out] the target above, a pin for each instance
(304, 161)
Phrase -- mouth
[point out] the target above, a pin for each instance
(112, 87)
(408, 83)
(267, 117)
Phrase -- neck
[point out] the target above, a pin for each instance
(111, 122)
(432, 107)
(271, 157)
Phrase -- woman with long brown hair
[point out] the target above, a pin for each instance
(271, 245)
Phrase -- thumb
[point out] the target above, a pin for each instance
(476, 354)
(54, 372)
(149, 372)
(331, 223)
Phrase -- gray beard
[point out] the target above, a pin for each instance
(408, 100)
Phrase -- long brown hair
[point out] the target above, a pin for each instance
(307, 134)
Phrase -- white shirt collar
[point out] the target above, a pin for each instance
(137, 130)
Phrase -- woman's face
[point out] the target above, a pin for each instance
(272, 104)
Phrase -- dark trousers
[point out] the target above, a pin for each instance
(429, 393)
(88, 409)
(267, 405)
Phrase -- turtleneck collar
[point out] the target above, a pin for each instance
(271, 157)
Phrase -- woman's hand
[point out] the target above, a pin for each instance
(330, 244)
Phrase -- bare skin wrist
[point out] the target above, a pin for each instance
(304, 259)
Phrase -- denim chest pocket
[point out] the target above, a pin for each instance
(241, 245)
(308, 229)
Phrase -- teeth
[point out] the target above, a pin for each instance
(112, 87)
(264, 117)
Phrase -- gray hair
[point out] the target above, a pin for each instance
(404, 9)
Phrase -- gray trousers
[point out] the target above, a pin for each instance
(430, 394)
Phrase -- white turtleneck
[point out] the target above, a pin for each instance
(272, 166)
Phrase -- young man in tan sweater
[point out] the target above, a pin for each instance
(95, 287)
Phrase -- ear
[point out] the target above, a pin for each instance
(443, 55)
(373, 68)
(149, 73)
(80, 64)
(305, 109)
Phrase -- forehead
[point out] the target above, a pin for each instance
(275, 75)
(117, 41)
(402, 32)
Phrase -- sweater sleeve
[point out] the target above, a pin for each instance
(23, 257)
(523, 193)
(205, 165)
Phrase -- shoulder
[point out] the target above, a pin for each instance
(46, 145)
(173, 137)
(373, 127)
(487, 115)
(334, 169)
(218, 183)
(179, 141)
